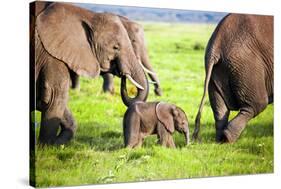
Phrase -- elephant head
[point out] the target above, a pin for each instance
(173, 117)
(91, 44)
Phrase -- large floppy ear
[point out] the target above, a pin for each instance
(164, 114)
(65, 33)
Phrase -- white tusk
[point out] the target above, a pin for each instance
(152, 82)
(145, 69)
(134, 82)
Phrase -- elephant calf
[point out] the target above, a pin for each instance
(142, 119)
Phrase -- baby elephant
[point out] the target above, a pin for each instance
(142, 119)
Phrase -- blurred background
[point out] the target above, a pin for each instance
(156, 14)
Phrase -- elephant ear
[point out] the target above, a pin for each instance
(164, 114)
(65, 34)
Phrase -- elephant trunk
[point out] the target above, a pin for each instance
(139, 79)
(132, 70)
(186, 134)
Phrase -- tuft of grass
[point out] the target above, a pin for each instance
(96, 154)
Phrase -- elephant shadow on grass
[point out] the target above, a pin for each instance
(102, 137)
(258, 130)
(99, 136)
(254, 130)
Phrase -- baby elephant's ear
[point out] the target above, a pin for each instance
(164, 114)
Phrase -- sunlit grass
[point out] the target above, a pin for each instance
(96, 154)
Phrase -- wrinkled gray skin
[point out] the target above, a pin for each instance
(71, 42)
(239, 73)
(136, 35)
(143, 119)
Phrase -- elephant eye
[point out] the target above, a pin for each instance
(116, 47)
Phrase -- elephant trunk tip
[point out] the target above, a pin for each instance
(187, 139)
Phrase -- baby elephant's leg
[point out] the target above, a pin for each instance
(140, 141)
(164, 137)
(132, 134)
(135, 144)
(170, 142)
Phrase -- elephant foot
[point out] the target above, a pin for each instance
(220, 136)
(64, 137)
(57, 141)
(109, 90)
(229, 137)
(158, 91)
(43, 142)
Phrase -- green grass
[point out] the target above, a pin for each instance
(96, 154)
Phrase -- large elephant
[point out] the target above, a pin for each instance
(239, 73)
(69, 42)
(136, 35)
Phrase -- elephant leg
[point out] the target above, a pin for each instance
(140, 141)
(49, 127)
(170, 143)
(220, 111)
(153, 77)
(75, 82)
(108, 84)
(252, 101)
(135, 143)
(237, 125)
(132, 134)
(239, 122)
(68, 128)
(157, 89)
(164, 137)
(54, 98)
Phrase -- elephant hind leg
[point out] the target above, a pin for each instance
(253, 100)
(237, 125)
(220, 111)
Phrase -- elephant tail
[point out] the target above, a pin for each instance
(209, 67)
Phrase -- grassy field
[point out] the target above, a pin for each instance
(96, 154)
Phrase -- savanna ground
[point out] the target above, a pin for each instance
(96, 154)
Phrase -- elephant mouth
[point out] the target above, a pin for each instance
(116, 69)
(113, 69)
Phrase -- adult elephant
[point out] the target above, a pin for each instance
(136, 35)
(70, 41)
(239, 73)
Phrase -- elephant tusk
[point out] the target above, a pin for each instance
(134, 82)
(145, 69)
(152, 82)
